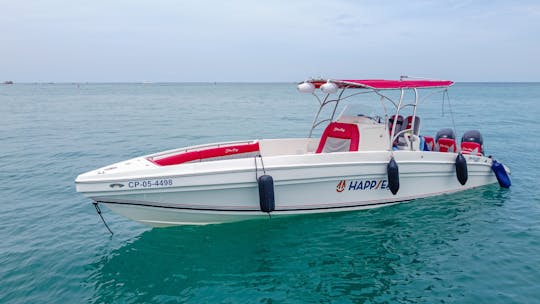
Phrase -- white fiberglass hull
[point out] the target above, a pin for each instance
(226, 190)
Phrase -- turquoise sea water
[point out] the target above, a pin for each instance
(477, 246)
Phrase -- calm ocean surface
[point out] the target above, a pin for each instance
(477, 246)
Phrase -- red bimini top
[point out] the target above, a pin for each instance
(380, 84)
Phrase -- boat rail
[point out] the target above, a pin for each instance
(332, 86)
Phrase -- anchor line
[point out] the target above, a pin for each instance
(98, 210)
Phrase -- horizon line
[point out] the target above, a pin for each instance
(208, 82)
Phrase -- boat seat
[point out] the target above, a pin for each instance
(214, 153)
(472, 148)
(430, 143)
(446, 145)
(339, 137)
(398, 122)
(409, 121)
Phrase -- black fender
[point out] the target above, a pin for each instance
(392, 170)
(266, 193)
(461, 169)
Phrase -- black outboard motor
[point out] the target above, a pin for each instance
(473, 136)
(445, 133)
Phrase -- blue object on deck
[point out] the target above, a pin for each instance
(501, 174)
(423, 144)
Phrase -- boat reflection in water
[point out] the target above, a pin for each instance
(361, 256)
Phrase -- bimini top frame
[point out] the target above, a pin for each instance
(329, 87)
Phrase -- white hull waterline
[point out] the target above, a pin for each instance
(221, 182)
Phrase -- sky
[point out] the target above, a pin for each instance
(267, 41)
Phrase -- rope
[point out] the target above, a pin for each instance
(451, 112)
(262, 163)
(101, 216)
(256, 169)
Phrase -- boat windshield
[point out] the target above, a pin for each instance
(362, 109)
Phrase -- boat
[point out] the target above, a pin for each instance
(363, 159)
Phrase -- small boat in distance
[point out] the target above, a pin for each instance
(363, 159)
(8, 82)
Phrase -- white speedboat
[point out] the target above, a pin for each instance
(360, 161)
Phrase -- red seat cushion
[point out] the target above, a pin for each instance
(409, 124)
(229, 150)
(178, 158)
(185, 157)
(446, 145)
(342, 131)
(471, 148)
(430, 142)
(409, 121)
(398, 122)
